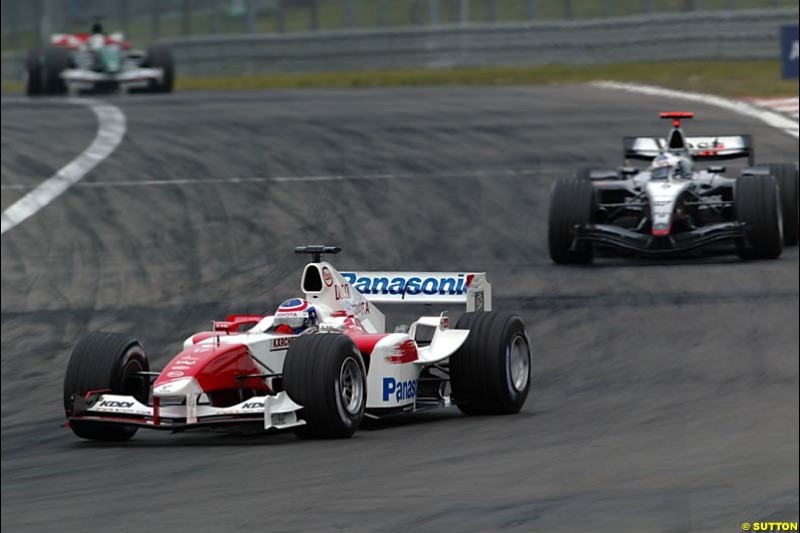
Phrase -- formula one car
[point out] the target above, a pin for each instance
(672, 207)
(97, 62)
(317, 366)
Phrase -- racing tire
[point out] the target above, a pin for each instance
(757, 204)
(325, 374)
(786, 176)
(572, 204)
(491, 373)
(56, 61)
(105, 361)
(159, 56)
(34, 73)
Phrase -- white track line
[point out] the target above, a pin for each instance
(785, 124)
(475, 174)
(110, 132)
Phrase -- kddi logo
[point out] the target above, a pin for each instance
(253, 405)
(115, 403)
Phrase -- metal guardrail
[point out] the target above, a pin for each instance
(750, 34)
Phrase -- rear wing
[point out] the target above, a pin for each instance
(715, 148)
(470, 288)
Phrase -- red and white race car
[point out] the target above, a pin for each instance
(317, 366)
(97, 62)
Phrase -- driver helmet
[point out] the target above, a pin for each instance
(667, 165)
(296, 314)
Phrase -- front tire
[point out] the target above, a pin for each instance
(34, 73)
(758, 206)
(786, 177)
(325, 374)
(105, 361)
(159, 56)
(572, 204)
(56, 61)
(491, 372)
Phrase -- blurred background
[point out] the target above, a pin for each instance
(240, 39)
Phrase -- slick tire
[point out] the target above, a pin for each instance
(159, 56)
(34, 82)
(757, 203)
(56, 61)
(786, 177)
(491, 373)
(572, 204)
(105, 361)
(325, 374)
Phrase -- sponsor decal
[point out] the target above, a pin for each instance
(432, 285)
(403, 390)
(789, 52)
(253, 405)
(116, 403)
(281, 343)
(405, 352)
(174, 374)
(327, 277)
(342, 291)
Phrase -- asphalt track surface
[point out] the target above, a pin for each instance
(665, 393)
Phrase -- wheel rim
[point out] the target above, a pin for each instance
(519, 362)
(351, 386)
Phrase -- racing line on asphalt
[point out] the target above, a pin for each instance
(111, 130)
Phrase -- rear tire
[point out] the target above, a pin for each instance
(105, 361)
(786, 176)
(34, 73)
(757, 203)
(325, 374)
(572, 204)
(159, 56)
(56, 61)
(490, 373)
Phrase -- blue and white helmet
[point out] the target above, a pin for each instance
(296, 313)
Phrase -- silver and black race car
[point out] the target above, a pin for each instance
(672, 207)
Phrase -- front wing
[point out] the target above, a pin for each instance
(626, 239)
(137, 77)
(277, 412)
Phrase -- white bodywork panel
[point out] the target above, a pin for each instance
(662, 195)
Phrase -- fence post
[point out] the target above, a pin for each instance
(491, 10)
(156, 21)
(433, 12)
(280, 23)
(123, 16)
(463, 15)
(250, 17)
(347, 18)
(214, 13)
(186, 23)
(608, 8)
(531, 9)
(567, 9)
(382, 12)
(313, 15)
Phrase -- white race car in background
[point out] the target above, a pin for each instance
(97, 62)
(249, 373)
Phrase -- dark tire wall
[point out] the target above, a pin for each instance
(757, 203)
(572, 203)
(99, 362)
(310, 375)
(478, 373)
(786, 177)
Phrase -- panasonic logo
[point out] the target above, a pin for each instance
(412, 285)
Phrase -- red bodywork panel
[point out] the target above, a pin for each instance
(76, 41)
(215, 367)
